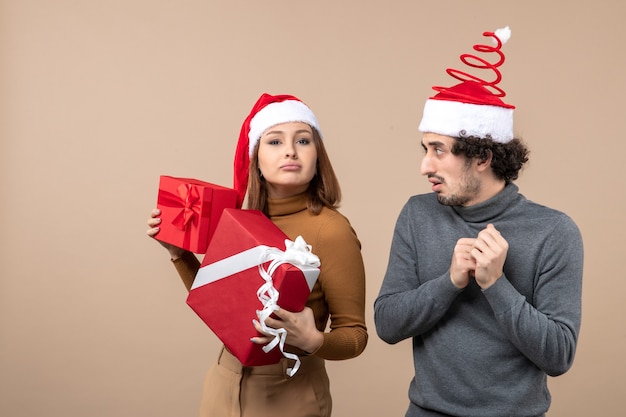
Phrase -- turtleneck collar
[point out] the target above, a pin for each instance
(489, 209)
(285, 206)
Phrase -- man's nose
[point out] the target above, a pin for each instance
(426, 166)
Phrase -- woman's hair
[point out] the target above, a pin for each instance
(507, 159)
(323, 191)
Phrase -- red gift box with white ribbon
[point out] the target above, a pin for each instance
(249, 266)
(190, 210)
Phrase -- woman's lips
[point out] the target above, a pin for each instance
(290, 167)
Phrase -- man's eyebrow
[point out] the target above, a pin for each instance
(433, 143)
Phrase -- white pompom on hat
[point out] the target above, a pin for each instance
(268, 111)
(471, 108)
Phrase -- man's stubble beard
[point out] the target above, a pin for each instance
(469, 188)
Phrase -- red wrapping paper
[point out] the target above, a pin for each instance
(228, 305)
(190, 210)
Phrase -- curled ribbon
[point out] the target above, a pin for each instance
(297, 253)
(499, 38)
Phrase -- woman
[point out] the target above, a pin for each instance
(282, 163)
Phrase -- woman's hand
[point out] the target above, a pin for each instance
(300, 327)
(153, 224)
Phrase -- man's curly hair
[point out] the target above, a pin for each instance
(507, 159)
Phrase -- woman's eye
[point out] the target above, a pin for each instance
(274, 142)
(304, 141)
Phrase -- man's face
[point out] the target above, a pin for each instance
(453, 177)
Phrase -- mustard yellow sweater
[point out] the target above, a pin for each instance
(339, 293)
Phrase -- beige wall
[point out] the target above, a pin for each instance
(98, 98)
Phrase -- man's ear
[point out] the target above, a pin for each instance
(484, 163)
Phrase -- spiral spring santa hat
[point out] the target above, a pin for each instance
(268, 111)
(473, 107)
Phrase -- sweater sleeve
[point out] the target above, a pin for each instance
(546, 328)
(405, 308)
(342, 281)
(187, 266)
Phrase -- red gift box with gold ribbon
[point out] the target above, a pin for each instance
(190, 210)
(251, 265)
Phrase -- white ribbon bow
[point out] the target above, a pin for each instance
(299, 254)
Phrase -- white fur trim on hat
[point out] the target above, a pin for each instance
(456, 119)
(277, 113)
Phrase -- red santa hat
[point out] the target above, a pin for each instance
(268, 111)
(473, 107)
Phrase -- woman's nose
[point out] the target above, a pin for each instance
(290, 151)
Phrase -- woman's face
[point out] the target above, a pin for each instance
(287, 158)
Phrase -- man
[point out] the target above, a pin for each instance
(485, 282)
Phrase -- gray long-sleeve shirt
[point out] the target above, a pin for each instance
(483, 353)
